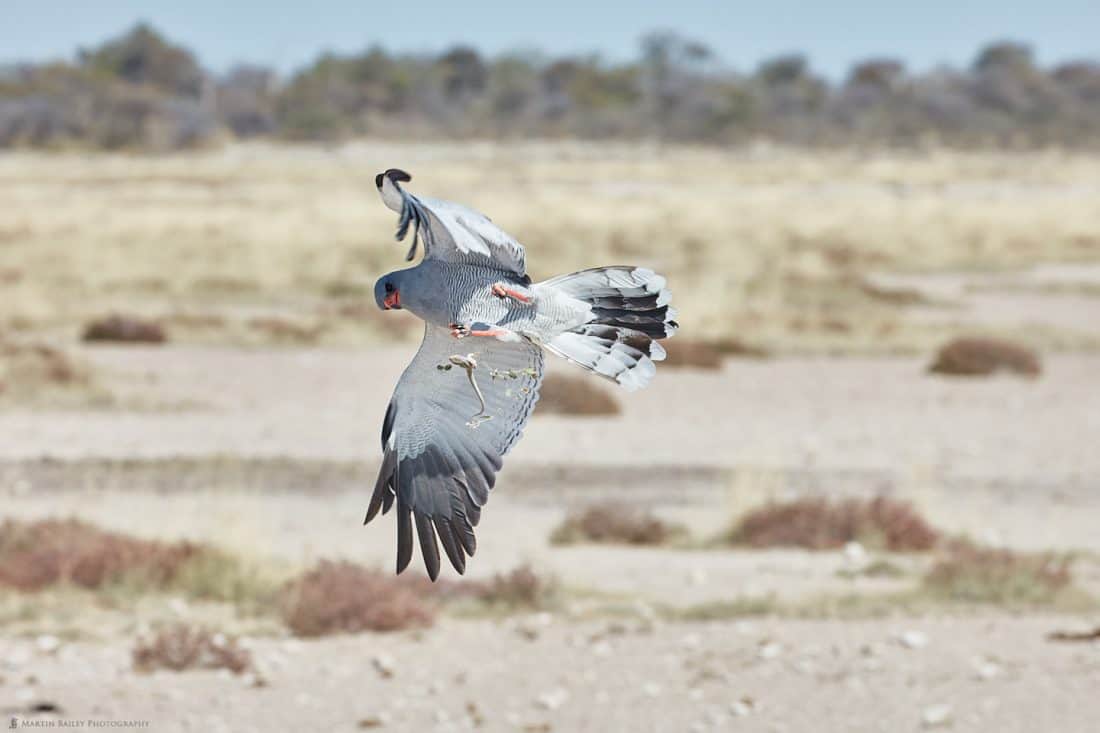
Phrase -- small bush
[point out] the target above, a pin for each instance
(124, 329)
(817, 524)
(29, 371)
(342, 597)
(562, 395)
(975, 357)
(692, 354)
(39, 554)
(521, 587)
(615, 522)
(282, 330)
(182, 647)
(967, 572)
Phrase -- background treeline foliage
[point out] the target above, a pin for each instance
(141, 90)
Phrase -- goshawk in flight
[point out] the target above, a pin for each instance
(463, 401)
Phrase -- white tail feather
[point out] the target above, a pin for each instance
(629, 311)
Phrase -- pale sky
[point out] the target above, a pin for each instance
(833, 34)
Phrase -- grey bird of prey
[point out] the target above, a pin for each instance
(463, 401)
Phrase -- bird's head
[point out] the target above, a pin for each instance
(389, 188)
(387, 292)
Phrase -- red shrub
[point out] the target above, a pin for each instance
(34, 555)
(614, 522)
(818, 524)
(976, 357)
(124, 329)
(337, 597)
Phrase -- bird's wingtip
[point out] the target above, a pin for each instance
(394, 174)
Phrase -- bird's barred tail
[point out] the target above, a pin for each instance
(630, 312)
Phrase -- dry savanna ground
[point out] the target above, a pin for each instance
(255, 244)
(821, 520)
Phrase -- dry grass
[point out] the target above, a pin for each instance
(819, 524)
(970, 573)
(342, 597)
(580, 395)
(181, 647)
(124, 329)
(979, 357)
(772, 244)
(615, 522)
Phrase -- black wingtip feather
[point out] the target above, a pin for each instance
(396, 174)
(382, 493)
(404, 536)
(468, 538)
(446, 531)
(428, 547)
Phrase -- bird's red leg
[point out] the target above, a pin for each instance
(494, 332)
(503, 291)
(478, 328)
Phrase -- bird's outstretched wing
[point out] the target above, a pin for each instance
(450, 232)
(446, 431)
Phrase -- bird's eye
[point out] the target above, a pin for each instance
(389, 287)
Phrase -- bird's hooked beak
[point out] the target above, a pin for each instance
(392, 301)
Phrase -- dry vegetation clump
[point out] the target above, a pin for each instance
(519, 588)
(691, 353)
(615, 522)
(561, 395)
(183, 647)
(213, 575)
(738, 348)
(283, 330)
(697, 354)
(971, 573)
(343, 597)
(124, 329)
(36, 372)
(817, 524)
(977, 357)
(36, 555)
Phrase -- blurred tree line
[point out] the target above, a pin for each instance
(143, 91)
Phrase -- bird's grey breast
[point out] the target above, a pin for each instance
(450, 293)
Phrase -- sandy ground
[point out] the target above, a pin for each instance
(269, 452)
(880, 417)
(998, 674)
